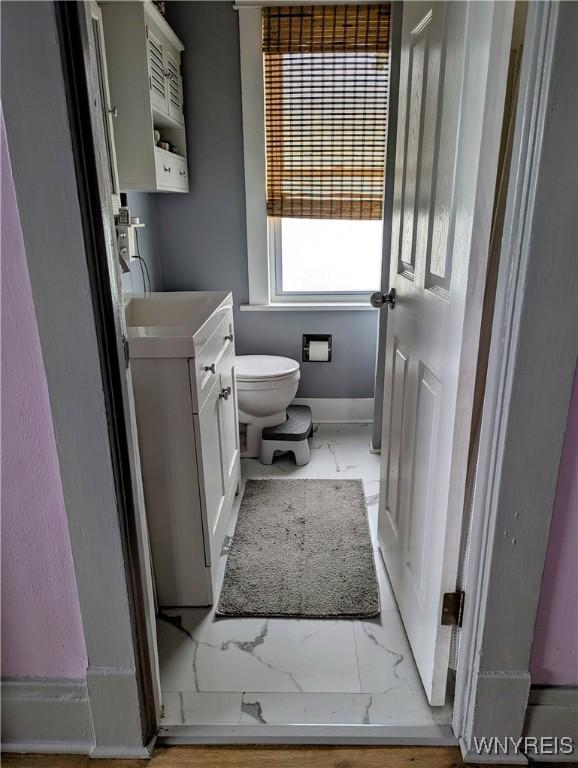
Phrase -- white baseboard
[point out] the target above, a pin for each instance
(123, 753)
(553, 712)
(339, 410)
(46, 715)
(471, 756)
(117, 732)
(500, 710)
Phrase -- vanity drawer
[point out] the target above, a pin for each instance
(208, 361)
(171, 171)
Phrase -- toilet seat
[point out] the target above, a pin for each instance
(265, 386)
(263, 368)
(268, 385)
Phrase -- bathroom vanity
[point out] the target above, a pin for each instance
(182, 356)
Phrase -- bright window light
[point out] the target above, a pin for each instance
(330, 256)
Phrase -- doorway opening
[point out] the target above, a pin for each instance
(299, 672)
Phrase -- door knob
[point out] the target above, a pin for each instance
(379, 299)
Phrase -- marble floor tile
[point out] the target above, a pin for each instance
(371, 501)
(201, 653)
(303, 708)
(384, 656)
(201, 708)
(406, 708)
(386, 596)
(337, 450)
(278, 671)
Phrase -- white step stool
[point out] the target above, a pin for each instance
(290, 436)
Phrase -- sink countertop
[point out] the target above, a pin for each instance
(173, 323)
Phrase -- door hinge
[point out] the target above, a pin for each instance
(453, 608)
(126, 351)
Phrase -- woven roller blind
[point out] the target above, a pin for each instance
(326, 86)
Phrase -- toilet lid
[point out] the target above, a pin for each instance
(256, 367)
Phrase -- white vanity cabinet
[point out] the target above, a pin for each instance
(186, 407)
(146, 92)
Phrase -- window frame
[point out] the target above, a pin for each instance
(263, 232)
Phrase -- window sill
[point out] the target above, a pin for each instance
(313, 306)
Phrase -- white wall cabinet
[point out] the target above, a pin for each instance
(164, 71)
(146, 92)
(187, 420)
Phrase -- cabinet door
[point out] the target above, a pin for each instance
(228, 420)
(156, 67)
(175, 86)
(208, 447)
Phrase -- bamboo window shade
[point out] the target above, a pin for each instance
(326, 71)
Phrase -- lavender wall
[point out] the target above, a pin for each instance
(554, 659)
(41, 624)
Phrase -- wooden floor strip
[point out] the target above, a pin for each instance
(260, 757)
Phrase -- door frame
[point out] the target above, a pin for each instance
(73, 21)
(530, 371)
(117, 653)
(62, 227)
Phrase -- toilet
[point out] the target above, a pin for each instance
(266, 384)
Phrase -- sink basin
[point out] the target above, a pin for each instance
(173, 324)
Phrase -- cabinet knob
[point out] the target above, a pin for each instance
(210, 368)
(225, 392)
(182, 173)
(167, 168)
(113, 111)
(229, 337)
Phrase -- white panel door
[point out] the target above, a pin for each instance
(454, 60)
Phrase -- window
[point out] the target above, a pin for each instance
(324, 75)
(317, 256)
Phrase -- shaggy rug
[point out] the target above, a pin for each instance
(301, 548)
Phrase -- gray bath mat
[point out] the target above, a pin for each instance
(301, 548)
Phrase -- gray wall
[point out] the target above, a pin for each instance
(143, 205)
(201, 236)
